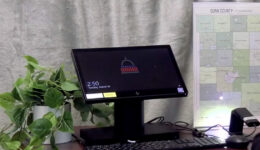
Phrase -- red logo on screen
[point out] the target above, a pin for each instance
(128, 66)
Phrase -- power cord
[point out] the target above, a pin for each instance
(250, 134)
(179, 125)
(184, 126)
(156, 120)
(214, 126)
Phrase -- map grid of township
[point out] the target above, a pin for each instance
(227, 43)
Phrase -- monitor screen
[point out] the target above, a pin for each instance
(112, 74)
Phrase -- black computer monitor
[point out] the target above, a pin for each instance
(127, 76)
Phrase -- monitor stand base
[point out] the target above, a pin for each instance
(106, 135)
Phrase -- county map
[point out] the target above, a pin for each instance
(227, 60)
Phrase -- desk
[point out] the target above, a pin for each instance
(217, 132)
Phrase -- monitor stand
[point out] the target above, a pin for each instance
(129, 125)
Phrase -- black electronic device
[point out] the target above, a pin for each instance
(127, 76)
(239, 116)
(123, 73)
(237, 141)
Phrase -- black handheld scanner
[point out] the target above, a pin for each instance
(239, 116)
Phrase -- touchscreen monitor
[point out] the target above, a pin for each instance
(118, 73)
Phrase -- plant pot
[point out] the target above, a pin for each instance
(60, 137)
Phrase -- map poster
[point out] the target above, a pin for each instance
(226, 48)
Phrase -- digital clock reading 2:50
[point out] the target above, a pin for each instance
(93, 85)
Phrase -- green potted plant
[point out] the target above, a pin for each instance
(40, 88)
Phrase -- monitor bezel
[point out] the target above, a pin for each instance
(136, 94)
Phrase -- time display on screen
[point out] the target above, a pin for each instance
(96, 85)
(93, 84)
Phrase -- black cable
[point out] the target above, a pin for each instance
(251, 132)
(182, 125)
(209, 128)
(186, 124)
(217, 125)
(178, 124)
(157, 119)
(197, 132)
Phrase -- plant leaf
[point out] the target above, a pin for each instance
(29, 119)
(4, 137)
(18, 82)
(40, 127)
(53, 98)
(7, 101)
(41, 147)
(33, 64)
(77, 94)
(30, 68)
(28, 147)
(102, 110)
(11, 145)
(53, 76)
(36, 66)
(32, 99)
(69, 86)
(31, 59)
(83, 108)
(59, 75)
(51, 117)
(16, 94)
(28, 77)
(17, 115)
(84, 115)
(7, 144)
(36, 141)
(27, 95)
(39, 86)
(31, 95)
(66, 122)
(39, 76)
(20, 136)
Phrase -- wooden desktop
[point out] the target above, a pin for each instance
(217, 132)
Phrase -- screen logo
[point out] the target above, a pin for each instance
(128, 66)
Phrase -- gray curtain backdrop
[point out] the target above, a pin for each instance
(49, 29)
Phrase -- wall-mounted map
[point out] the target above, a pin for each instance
(226, 48)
